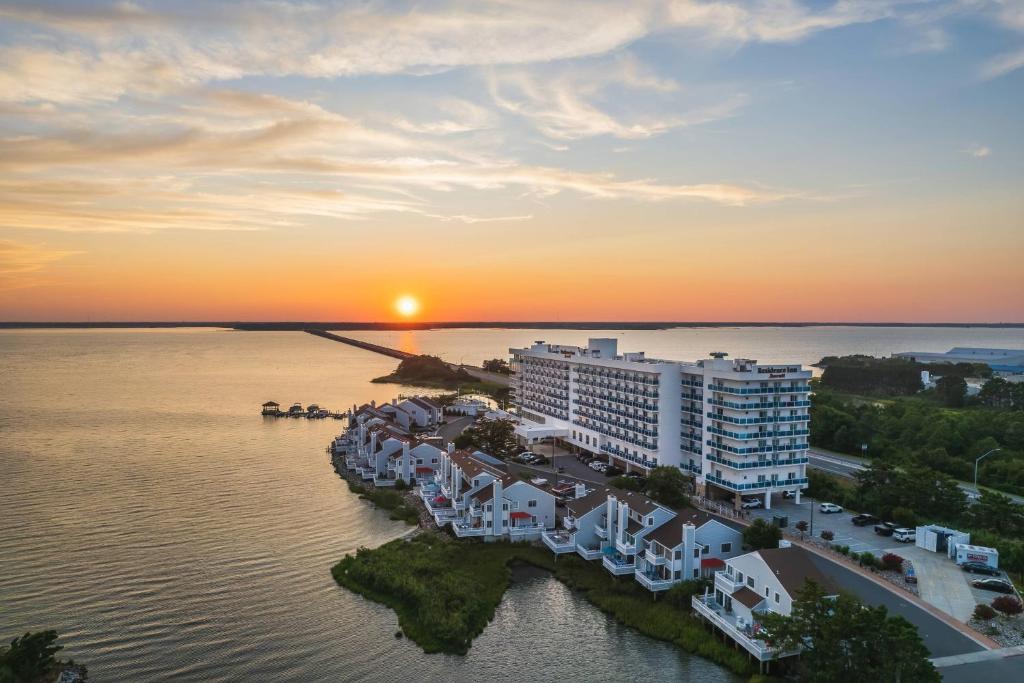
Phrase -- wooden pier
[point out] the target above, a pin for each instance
(312, 412)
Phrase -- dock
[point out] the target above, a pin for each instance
(312, 412)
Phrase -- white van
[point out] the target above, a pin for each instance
(904, 535)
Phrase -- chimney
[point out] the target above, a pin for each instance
(394, 401)
(581, 490)
(451, 447)
(373, 404)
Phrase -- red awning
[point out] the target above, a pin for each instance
(712, 563)
(520, 515)
(424, 470)
(440, 500)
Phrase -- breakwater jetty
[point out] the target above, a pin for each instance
(478, 373)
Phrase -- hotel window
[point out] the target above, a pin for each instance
(727, 547)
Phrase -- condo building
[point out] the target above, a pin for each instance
(737, 426)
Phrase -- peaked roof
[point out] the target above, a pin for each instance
(424, 403)
(748, 597)
(792, 566)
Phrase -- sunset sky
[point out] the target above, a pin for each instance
(693, 160)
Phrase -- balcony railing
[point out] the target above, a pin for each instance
(653, 582)
(751, 391)
(713, 612)
(758, 485)
(618, 566)
(464, 530)
(559, 542)
(588, 553)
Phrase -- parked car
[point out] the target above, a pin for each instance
(634, 475)
(863, 519)
(539, 460)
(885, 528)
(979, 568)
(910, 575)
(751, 503)
(829, 508)
(789, 494)
(904, 535)
(613, 471)
(997, 585)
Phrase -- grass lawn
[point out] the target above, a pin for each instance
(445, 593)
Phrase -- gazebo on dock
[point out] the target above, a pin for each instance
(271, 408)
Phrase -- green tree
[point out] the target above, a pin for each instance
(29, 657)
(626, 483)
(952, 391)
(761, 534)
(844, 640)
(668, 486)
(998, 513)
(494, 437)
(498, 365)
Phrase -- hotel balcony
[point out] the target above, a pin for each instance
(759, 486)
(744, 634)
(653, 582)
(588, 553)
(559, 542)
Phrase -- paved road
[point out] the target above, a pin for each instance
(1006, 665)
(941, 639)
(454, 427)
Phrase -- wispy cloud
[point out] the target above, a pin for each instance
(573, 101)
(21, 264)
(978, 151)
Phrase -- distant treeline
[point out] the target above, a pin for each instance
(510, 325)
(888, 376)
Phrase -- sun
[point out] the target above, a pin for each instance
(407, 306)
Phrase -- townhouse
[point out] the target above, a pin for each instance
(475, 494)
(634, 536)
(738, 427)
(415, 413)
(750, 585)
(380, 450)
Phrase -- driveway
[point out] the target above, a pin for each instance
(941, 639)
(941, 582)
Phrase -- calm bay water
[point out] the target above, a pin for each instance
(168, 532)
(805, 345)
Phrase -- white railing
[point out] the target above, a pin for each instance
(588, 553)
(558, 542)
(726, 583)
(654, 558)
(462, 531)
(618, 568)
(710, 610)
(601, 531)
(653, 584)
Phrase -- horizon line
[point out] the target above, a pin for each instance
(450, 324)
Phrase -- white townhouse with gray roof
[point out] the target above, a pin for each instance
(634, 536)
(756, 583)
(476, 495)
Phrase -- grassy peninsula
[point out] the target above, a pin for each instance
(391, 500)
(445, 593)
(434, 373)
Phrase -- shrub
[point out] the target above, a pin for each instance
(827, 535)
(1007, 604)
(983, 612)
(761, 534)
(625, 483)
(892, 562)
(843, 549)
(868, 560)
(400, 485)
(801, 526)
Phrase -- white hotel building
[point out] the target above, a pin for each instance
(740, 428)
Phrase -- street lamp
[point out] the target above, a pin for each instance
(983, 456)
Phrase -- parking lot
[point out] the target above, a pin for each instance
(941, 582)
